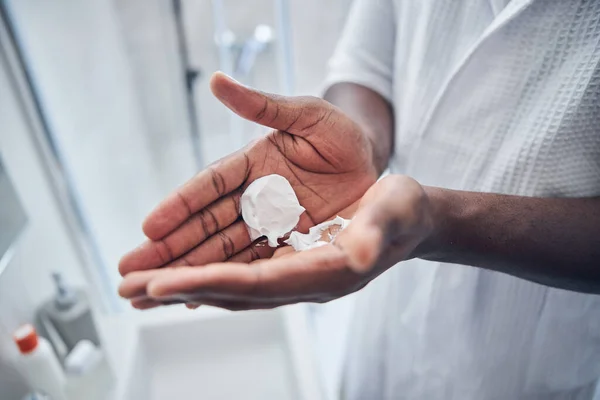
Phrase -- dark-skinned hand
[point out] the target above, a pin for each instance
(389, 223)
(324, 154)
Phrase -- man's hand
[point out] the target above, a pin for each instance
(393, 218)
(324, 154)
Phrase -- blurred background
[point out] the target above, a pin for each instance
(104, 109)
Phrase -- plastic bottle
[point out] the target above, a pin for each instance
(39, 364)
(89, 375)
(70, 314)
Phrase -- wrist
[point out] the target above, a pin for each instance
(444, 212)
(379, 158)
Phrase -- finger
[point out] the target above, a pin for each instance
(199, 227)
(219, 247)
(222, 246)
(146, 303)
(362, 242)
(134, 284)
(363, 239)
(254, 252)
(216, 181)
(295, 115)
(233, 305)
(321, 270)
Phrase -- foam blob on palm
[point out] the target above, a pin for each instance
(318, 235)
(270, 208)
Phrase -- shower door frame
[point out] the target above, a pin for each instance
(87, 252)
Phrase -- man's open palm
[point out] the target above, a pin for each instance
(321, 151)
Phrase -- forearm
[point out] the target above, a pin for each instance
(372, 112)
(551, 241)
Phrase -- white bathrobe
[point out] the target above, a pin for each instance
(493, 96)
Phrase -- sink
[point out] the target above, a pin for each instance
(252, 355)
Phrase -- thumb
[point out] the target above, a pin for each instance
(394, 207)
(295, 115)
(363, 240)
